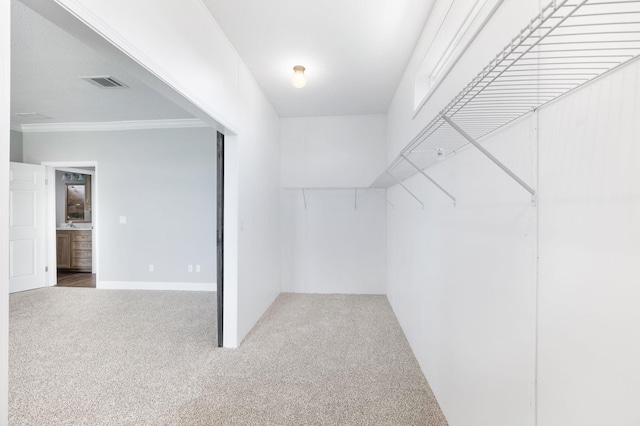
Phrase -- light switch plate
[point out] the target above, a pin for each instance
(123, 219)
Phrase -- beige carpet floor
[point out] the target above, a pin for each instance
(103, 357)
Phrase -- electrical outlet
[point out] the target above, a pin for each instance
(197, 268)
(190, 268)
(151, 267)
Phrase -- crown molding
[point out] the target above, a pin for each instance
(109, 125)
(96, 24)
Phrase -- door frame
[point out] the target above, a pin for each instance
(220, 236)
(50, 238)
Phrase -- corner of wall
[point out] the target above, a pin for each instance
(5, 108)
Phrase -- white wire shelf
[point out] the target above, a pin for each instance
(570, 43)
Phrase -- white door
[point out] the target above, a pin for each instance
(26, 227)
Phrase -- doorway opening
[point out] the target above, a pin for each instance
(72, 223)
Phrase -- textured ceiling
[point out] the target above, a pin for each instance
(355, 51)
(46, 66)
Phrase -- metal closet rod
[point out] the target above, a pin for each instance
(304, 190)
(324, 188)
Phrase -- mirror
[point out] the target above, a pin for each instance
(78, 206)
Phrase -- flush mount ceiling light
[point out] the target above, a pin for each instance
(298, 79)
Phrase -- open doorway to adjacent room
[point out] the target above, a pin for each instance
(72, 231)
(86, 92)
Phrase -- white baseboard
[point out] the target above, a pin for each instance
(142, 285)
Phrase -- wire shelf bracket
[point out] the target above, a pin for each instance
(567, 45)
(430, 180)
(407, 189)
(491, 157)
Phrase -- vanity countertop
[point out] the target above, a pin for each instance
(66, 228)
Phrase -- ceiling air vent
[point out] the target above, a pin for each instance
(105, 82)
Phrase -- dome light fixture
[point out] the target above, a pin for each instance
(298, 79)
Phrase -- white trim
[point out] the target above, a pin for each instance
(61, 165)
(110, 125)
(231, 242)
(145, 285)
(5, 110)
(75, 170)
(454, 51)
(84, 15)
(16, 127)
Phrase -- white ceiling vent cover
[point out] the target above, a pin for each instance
(105, 82)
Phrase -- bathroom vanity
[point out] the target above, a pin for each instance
(73, 249)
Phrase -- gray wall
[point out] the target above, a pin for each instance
(163, 181)
(16, 146)
(60, 198)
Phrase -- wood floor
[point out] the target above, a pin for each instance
(76, 279)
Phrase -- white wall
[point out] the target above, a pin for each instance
(331, 246)
(258, 156)
(589, 217)
(5, 109)
(462, 281)
(16, 146)
(163, 181)
(343, 151)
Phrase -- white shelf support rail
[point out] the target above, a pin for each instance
(430, 179)
(568, 44)
(407, 189)
(491, 157)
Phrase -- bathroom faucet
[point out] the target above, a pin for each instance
(71, 225)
